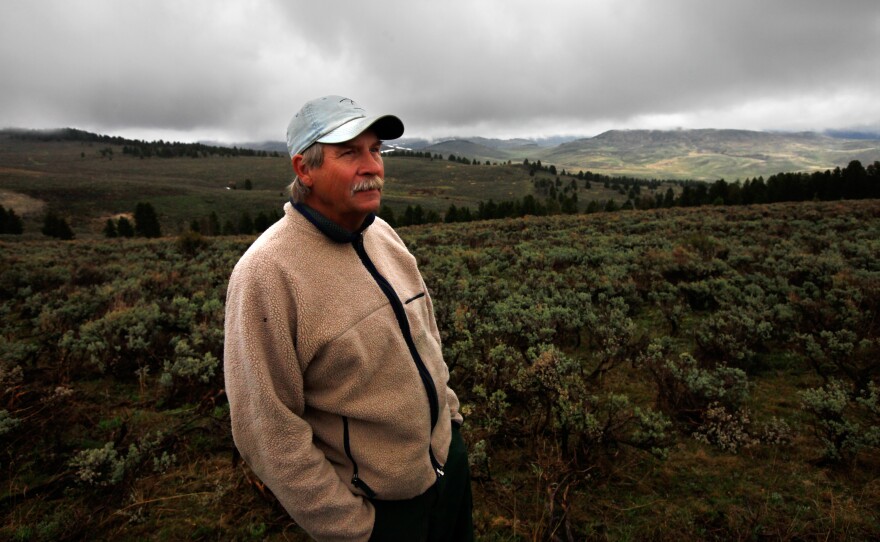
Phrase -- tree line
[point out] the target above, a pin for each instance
(244, 225)
(145, 223)
(852, 182)
(415, 215)
(163, 149)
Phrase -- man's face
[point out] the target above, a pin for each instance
(348, 185)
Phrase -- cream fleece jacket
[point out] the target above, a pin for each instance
(326, 396)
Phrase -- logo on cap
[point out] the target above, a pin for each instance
(353, 105)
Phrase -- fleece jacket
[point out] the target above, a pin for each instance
(336, 382)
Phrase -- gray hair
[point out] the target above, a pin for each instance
(313, 157)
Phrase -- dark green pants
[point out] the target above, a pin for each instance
(443, 513)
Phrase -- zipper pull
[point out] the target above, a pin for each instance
(358, 483)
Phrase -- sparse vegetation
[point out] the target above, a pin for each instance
(695, 373)
(602, 397)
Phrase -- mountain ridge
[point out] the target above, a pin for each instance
(701, 154)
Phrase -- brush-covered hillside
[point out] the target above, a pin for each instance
(678, 374)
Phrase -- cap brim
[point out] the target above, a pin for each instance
(385, 127)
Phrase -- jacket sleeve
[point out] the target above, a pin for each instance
(264, 384)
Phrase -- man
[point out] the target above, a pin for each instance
(337, 387)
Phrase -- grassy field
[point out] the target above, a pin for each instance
(84, 183)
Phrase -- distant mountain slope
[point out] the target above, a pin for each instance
(467, 149)
(708, 154)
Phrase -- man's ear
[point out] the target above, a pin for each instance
(301, 169)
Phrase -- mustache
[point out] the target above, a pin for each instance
(371, 183)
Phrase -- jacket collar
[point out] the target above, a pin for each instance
(329, 228)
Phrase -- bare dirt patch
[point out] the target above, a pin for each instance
(19, 171)
(21, 203)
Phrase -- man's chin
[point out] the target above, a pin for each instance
(369, 200)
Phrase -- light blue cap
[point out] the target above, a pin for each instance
(334, 119)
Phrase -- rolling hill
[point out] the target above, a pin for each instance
(90, 178)
(708, 154)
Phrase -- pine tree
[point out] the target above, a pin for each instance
(124, 227)
(110, 229)
(55, 226)
(146, 223)
(245, 224)
(386, 213)
(262, 223)
(213, 225)
(10, 222)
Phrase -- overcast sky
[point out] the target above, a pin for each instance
(236, 71)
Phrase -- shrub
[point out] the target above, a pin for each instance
(191, 242)
(7, 422)
(686, 390)
(106, 467)
(99, 467)
(726, 430)
(187, 370)
(587, 423)
(732, 336)
(776, 432)
(845, 422)
(843, 354)
(121, 340)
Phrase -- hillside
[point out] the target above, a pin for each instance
(709, 154)
(88, 178)
(681, 154)
(468, 149)
(678, 374)
(88, 181)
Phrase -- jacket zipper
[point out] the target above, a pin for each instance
(355, 479)
(403, 322)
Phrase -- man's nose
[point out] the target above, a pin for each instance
(370, 164)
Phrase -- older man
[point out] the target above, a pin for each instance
(336, 382)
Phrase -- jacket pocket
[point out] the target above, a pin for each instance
(413, 298)
(355, 478)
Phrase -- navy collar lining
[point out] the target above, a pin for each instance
(329, 228)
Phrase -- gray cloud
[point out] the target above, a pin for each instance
(235, 71)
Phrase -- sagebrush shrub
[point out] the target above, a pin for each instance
(99, 467)
(189, 368)
(729, 431)
(846, 422)
(587, 423)
(776, 432)
(686, 389)
(7, 422)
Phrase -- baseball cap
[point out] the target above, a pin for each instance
(334, 119)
